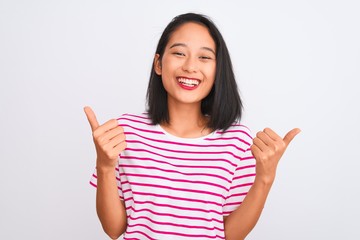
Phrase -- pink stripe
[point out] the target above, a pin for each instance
(233, 203)
(177, 158)
(247, 158)
(178, 151)
(93, 184)
(137, 116)
(176, 225)
(227, 212)
(186, 144)
(173, 188)
(227, 138)
(180, 166)
(174, 206)
(142, 130)
(173, 180)
(137, 121)
(233, 131)
(241, 185)
(173, 171)
(128, 190)
(167, 156)
(176, 198)
(245, 176)
(174, 215)
(237, 195)
(175, 233)
(139, 232)
(243, 167)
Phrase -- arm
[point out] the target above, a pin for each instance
(241, 221)
(110, 209)
(267, 149)
(109, 140)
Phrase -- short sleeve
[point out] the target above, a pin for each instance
(244, 176)
(93, 181)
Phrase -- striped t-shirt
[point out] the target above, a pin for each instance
(181, 188)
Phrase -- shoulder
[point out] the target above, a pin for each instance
(238, 132)
(138, 123)
(130, 119)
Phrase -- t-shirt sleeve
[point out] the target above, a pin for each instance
(93, 181)
(244, 175)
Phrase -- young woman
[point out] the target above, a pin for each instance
(186, 169)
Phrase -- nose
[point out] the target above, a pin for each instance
(190, 65)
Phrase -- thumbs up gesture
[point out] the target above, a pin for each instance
(267, 148)
(109, 140)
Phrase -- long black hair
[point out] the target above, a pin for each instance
(223, 104)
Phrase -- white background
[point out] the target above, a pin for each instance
(297, 64)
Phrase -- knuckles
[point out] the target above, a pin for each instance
(120, 128)
(258, 134)
(266, 130)
(114, 121)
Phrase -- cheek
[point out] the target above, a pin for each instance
(167, 70)
(211, 73)
(169, 63)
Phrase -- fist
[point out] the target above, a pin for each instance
(267, 148)
(109, 140)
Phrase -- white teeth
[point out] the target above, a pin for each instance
(189, 82)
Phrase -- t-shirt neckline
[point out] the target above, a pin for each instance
(182, 139)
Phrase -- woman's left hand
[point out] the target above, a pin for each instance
(267, 148)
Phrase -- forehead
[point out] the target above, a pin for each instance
(193, 35)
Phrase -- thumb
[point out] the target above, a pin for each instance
(290, 135)
(91, 118)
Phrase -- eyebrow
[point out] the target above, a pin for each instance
(184, 45)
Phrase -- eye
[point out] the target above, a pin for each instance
(179, 54)
(205, 57)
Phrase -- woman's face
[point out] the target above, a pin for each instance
(188, 65)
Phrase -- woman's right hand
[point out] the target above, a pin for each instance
(109, 140)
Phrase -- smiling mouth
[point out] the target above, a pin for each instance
(188, 82)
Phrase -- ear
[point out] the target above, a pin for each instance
(157, 64)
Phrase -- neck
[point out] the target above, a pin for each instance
(186, 120)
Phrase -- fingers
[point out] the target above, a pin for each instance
(269, 139)
(267, 148)
(91, 118)
(260, 144)
(114, 147)
(120, 147)
(255, 150)
(109, 135)
(290, 135)
(106, 127)
(273, 135)
(109, 140)
(265, 138)
(114, 141)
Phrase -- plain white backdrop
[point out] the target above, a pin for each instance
(297, 65)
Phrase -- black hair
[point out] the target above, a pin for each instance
(223, 104)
